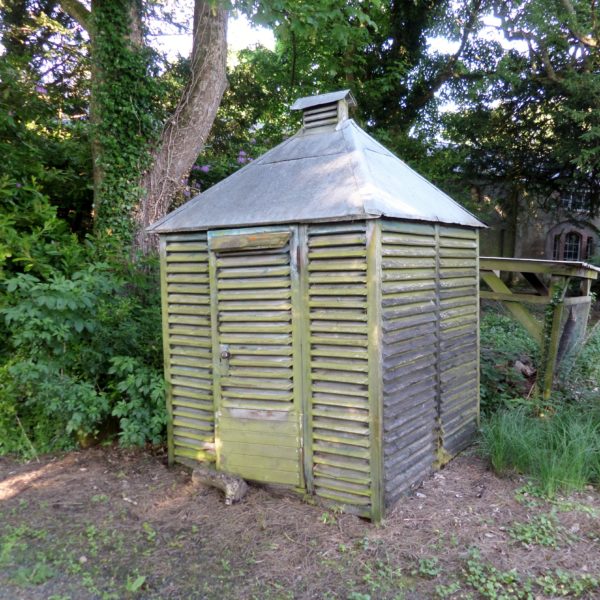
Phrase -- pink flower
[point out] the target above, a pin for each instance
(205, 168)
(40, 89)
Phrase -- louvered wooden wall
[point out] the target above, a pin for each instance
(409, 323)
(424, 331)
(459, 335)
(187, 345)
(339, 413)
(430, 348)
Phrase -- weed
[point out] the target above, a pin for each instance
(562, 583)
(428, 567)
(494, 584)
(445, 591)
(134, 583)
(541, 530)
(150, 532)
(39, 573)
(100, 498)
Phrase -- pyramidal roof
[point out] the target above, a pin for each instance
(336, 173)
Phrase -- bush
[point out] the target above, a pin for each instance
(83, 349)
(503, 341)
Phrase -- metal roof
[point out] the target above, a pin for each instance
(325, 174)
(310, 101)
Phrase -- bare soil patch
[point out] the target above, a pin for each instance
(112, 523)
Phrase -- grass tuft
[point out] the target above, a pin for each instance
(560, 451)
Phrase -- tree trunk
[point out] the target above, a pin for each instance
(186, 131)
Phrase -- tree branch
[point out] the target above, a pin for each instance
(425, 92)
(586, 40)
(77, 11)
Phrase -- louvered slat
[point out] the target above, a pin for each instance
(339, 392)
(250, 323)
(459, 394)
(409, 353)
(188, 346)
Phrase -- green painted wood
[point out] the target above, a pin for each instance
(255, 240)
(263, 426)
(270, 475)
(274, 439)
(198, 455)
(374, 298)
(304, 372)
(255, 323)
(166, 347)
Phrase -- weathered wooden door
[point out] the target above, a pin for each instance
(255, 292)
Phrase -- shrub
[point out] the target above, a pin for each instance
(83, 348)
(503, 341)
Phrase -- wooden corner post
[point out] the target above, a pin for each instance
(374, 320)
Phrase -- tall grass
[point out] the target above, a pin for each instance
(560, 451)
(561, 448)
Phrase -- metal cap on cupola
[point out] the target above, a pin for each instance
(326, 109)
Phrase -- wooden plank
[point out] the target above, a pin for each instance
(260, 426)
(270, 475)
(514, 297)
(343, 239)
(520, 265)
(199, 455)
(166, 353)
(249, 241)
(518, 311)
(374, 297)
(274, 438)
(259, 452)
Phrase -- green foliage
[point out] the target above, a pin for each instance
(540, 530)
(127, 116)
(503, 341)
(33, 239)
(560, 451)
(494, 584)
(83, 348)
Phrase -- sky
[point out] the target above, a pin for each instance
(240, 34)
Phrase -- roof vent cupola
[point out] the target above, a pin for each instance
(325, 110)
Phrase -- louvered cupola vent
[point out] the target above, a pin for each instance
(317, 116)
(326, 110)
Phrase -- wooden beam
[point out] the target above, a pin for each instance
(526, 298)
(520, 313)
(551, 335)
(522, 265)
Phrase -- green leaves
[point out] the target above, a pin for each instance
(83, 348)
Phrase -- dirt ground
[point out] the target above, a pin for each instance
(110, 523)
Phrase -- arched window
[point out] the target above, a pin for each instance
(589, 248)
(572, 246)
